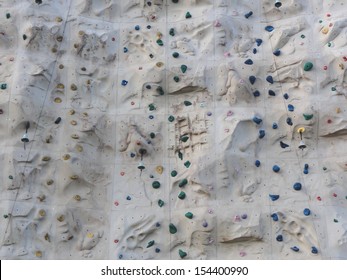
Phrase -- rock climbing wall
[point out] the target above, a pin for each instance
(171, 129)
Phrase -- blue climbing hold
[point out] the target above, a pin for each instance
(295, 249)
(307, 212)
(252, 79)
(289, 121)
(274, 125)
(290, 108)
(274, 217)
(305, 171)
(279, 238)
(261, 133)
(283, 145)
(277, 52)
(259, 42)
(269, 28)
(248, 14)
(276, 168)
(132, 155)
(128, 197)
(270, 79)
(157, 250)
(249, 61)
(255, 51)
(257, 163)
(314, 250)
(297, 186)
(274, 197)
(124, 83)
(306, 168)
(125, 50)
(256, 93)
(137, 27)
(286, 96)
(257, 120)
(272, 93)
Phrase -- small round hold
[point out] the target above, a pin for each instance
(66, 157)
(314, 250)
(269, 28)
(160, 203)
(77, 197)
(188, 15)
(171, 118)
(274, 217)
(276, 168)
(257, 163)
(274, 126)
(156, 185)
(307, 212)
(137, 27)
(205, 224)
(58, 120)
(270, 79)
(124, 82)
(182, 195)
(256, 93)
(285, 96)
(42, 213)
(244, 216)
(175, 54)
(279, 238)
(73, 87)
(277, 52)
(73, 122)
(249, 62)
(290, 108)
(297, 186)
(57, 100)
(308, 66)
(157, 250)
(49, 182)
(38, 254)
(261, 133)
(295, 249)
(159, 169)
(172, 228)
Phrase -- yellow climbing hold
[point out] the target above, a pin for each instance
(72, 112)
(81, 33)
(61, 218)
(75, 136)
(57, 100)
(325, 30)
(58, 19)
(79, 148)
(160, 64)
(46, 158)
(159, 169)
(42, 213)
(90, 235)
(50, 182)
(77, 197)
(74, 177)
(341, 66)
(73, 122)
(338, 110)
(60, 86)
(66, 157)
(38, 254)
(301, 130)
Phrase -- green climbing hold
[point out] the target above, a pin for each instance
(189, 215)
(10, 177)
(160, 91)
(173, 173)
(308, 117)
(182, 195)
(184, 138)
(160, 42)
(303, 36)
(180, 155)
(183, 183)
(3, 86)
(160, 203)
(333, 89)
(8, 15)
(187, 103)
(152, 135)
(184, 68)
(175, 1)
(324, 168)
(150, 244)
(172, 32)
(188, 15)
(151, 107)
(308, 66)
(176, 79)
(25, 37)
(172, 228)
(156, 185)
(175, 54)
(336, 220)
(182, 253)
(171, 118)
(187, 164)
(5, 216)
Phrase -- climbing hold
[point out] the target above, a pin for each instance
(151, 107)
(295, 249)
(257, 120)
(274, 197)
(180, 155)
(249, 61)
(157, 250)
(10, 177)
(290, 108)
(272, 93)
(171, 118)
(336, 220)
(270, 79)
(128, 197)
(182, 195)
(269, 28)
(277, 52)
(255, 51)
(46, 158)
(175, 54)
(285, 96)
(125, 50)
(160, 42)
(182, 254)
(274, 125)
(156, 185)
(256, 93)
(184, 138)
(8, 15)
(159, 169)
(3, 86)
(152, 135)
(289, 121)
(283, 145)
(205, 224)
(314, 250)
(160, 203)
(252, 79)
(308, 117)
(137, 27)
(297, 186)
(188, 15)
(279, 238)
(150, 244)
(301, 130)
(173, 173)
(307, 212)
(187, 164)
(172, 228)
(261, 133)
(172, 32)
(25, 37)
(274, 217)
(58, 120)
(187, 103)
(176, 79)
(184, 68)
(276, 168)
(248, 14)
(259, 42)
(182, 183)
(189, 215)
(308, 66)
(257, 163)
(124, 83)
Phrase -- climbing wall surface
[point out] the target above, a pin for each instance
(169, 129)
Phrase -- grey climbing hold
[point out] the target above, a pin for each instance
(276, 168)
(205, 224)
(274, 197)
(249, 61)
(172, 228)
(297, 186)
(252, 79)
